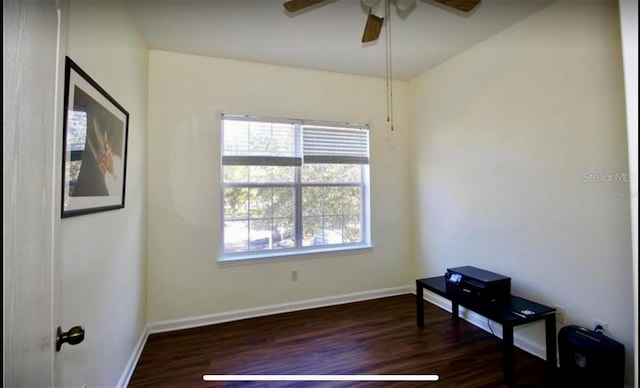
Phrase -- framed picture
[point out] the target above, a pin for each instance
(94, 157)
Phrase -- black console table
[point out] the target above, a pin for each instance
(508, 315)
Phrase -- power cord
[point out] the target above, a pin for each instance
(490, 328)
(493, 334)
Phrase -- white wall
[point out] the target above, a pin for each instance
(509, 139)
(103, 254)
(186, 95)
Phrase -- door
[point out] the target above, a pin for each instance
(29, 127)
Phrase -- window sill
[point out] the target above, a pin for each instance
(262, 257)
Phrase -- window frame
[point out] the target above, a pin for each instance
(297, 185)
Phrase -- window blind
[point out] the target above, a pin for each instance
(335, 145)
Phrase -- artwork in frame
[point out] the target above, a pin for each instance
(94, 156)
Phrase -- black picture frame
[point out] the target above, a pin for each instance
(94, 154)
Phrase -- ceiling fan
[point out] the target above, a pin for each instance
(374, 23)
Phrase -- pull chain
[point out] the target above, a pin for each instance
(389, 74)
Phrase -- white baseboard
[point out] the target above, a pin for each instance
(480, 321)
(133, 360)
(187, 323)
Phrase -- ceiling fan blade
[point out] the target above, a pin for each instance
(460, 5)
(297, 5)
(372, 28)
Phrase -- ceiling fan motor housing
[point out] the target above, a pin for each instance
(404, 5)
(370, 3)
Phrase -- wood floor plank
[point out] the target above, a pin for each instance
(372, 337)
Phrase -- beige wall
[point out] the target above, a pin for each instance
(509, 140)
(186, 95)
(103, 255)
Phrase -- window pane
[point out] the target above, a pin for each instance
(283, 202)
(260, 235)
(352, 229)
(352, 201)
(312, 201)
(267, 202)
(331, 215)
(329, 237)
(260, 203)
(236, 137)
(236, 236)
(331, 232)
(312, 172)
(284, 234)
(320, 231)
(282, 174)
(311, 227)
(332, 223)
(235, 174)
(258, 138)
(260, 174)
(236, 203)
(352, 173)
(271, 139)
(332, 200)
(332, 173)
(271, 174)
(271, 234)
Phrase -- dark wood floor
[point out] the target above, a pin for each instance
(373, 337)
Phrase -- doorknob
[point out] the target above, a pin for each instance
(74, 336)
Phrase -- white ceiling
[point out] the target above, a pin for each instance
(326, 36)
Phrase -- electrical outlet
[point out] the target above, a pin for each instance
(560, 315)
(294, 275)
(604, 325)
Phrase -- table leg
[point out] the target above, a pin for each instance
(550, 335)
(454, 310)
(419, 304)
(508, 355)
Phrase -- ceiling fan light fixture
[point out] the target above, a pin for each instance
(370, 3)
(404, 5)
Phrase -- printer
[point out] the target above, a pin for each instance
(477, 285)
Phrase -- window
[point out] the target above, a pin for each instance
(293, 186)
